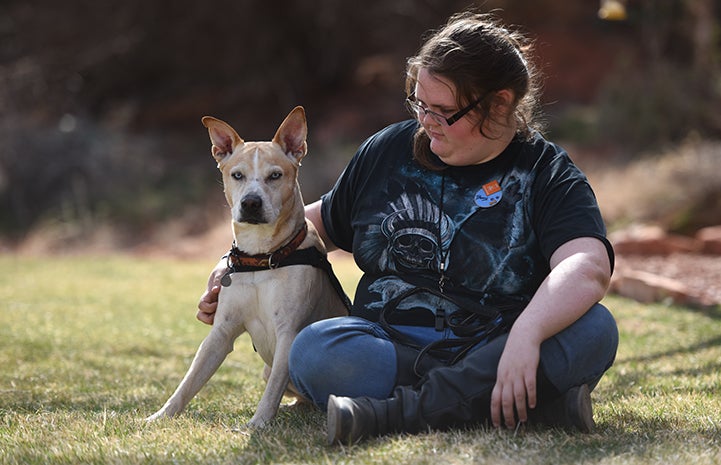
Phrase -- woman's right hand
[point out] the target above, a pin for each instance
(209, 300)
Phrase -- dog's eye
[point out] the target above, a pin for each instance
(237, 175)
(275, 175)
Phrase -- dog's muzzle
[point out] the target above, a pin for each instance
(251, 210)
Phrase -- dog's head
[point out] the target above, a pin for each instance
(261, 178)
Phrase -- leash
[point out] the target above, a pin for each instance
(470, 324)
(287, 255)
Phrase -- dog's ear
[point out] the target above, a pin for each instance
(223, 137)
(292, 133)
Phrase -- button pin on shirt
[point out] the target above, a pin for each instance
(489, 195)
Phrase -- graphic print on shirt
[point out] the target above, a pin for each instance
(416, 234)
(414, 237)
(404, 241)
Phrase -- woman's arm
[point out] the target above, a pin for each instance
(579, 277)
(312, 212)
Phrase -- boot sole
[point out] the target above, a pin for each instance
(580, 409)
(333, 422)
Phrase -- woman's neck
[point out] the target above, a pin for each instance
(496, 145)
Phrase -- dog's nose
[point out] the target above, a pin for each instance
(251, 203)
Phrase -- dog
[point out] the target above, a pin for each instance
(262, 293)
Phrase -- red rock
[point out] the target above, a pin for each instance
(649, 287)
(710, 240)
(651, 240)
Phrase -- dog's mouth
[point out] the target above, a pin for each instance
(252, 219)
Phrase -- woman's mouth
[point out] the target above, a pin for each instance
(434, 134)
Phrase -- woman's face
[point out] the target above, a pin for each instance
(462, 143)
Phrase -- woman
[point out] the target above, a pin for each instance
(484, 259)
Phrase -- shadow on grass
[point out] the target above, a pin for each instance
(712, 342)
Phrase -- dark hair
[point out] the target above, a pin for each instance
(480, 57)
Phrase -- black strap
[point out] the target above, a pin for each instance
(310, 256)
(470, 325)
(442, 349)
(319, 260)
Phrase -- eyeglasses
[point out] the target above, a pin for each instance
(416, 107)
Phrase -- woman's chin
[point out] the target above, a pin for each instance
(439, 149)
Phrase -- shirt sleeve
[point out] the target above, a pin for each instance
(565, 206)
(336, 207)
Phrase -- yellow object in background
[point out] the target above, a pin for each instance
(612, 10)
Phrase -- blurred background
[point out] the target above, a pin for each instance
(101, 145)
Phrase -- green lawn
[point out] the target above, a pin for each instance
(90, 346)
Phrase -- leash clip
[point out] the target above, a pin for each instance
(271, 265)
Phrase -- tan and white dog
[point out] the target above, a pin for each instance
(271, 301)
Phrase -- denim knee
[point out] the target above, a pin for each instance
(305, 360)
(583, 352)
(346, 356)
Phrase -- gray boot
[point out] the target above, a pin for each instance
(351, 420)
(572, 411)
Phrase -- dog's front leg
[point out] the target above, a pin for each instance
(277, 383)
(211, 353)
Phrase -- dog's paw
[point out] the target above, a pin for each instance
(156, 416)
(257, 423)
(245, 429)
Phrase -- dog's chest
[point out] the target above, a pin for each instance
(269, 304)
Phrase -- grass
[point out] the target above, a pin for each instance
(89, 346)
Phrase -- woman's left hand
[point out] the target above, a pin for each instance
(515, 389)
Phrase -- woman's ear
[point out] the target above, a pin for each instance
(503, 103)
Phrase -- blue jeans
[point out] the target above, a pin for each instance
(354, 357)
